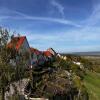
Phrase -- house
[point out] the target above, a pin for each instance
(48, 55)
(34, 56)
(37, 57)
(58, 55)
(65, 58)
(21, 45)
(41, 58)
(62, 57)
(77, 63)
(52, 51)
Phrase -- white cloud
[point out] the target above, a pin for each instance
(82, 48)
(20, 15)
(9, 12)
(78, 39)
(94, 16)
(89, 30)
(61, 21)
(59, 7)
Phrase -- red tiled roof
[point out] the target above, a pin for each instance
(52, 51)
(17, 42)
(47, 53)
(33, 50)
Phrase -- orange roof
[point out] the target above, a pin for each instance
(17, 42)
(33, 50)
(47, 53)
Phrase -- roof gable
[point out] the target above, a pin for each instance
(47, 53)
(33, 50)
(16, 42)
(52, 51)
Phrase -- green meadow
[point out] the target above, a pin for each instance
(92, 83)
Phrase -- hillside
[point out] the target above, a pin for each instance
(61, 80)
(92, 83)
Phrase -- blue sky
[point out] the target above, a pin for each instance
(65, 25)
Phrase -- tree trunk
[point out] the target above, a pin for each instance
(3, 94)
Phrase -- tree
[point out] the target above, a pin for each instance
(9, 72)
(5, 68)
(4, 36)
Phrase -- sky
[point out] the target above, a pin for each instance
(64, 25)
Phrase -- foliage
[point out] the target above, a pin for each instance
(92, 83)
(5, 68)
(86, 63)
(8, 71)
(95, 62)
(64, 64)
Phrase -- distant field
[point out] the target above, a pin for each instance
(92, 79)
(92, 57)
(95, 60)
(95, 53)
(92, 83)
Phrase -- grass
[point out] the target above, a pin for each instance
(92, 83)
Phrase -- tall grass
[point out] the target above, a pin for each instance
(92, 83)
